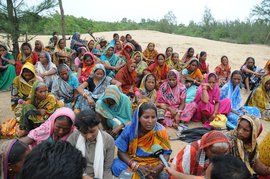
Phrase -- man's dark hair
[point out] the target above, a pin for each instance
(58, 160)
(85, 120)
(227, 166)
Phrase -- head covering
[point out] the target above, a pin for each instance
(5, 149)
(145, 92)
(260, 97)
(267, 67)
(36, 85)
(213, 137)
(42, 47)
(45, 130)
(124, 51)
(150, 54)
(74, 39)
(161, 71)
(87, 69)
(127, 78)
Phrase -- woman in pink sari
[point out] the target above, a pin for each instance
(58, 127)
(208, 101)
(171, 100)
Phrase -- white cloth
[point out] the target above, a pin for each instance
(99, 153)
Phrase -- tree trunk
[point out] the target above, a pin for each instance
(14, 27)
(63, 29)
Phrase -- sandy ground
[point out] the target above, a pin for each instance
(237, 53)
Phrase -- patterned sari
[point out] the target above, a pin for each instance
(86, 69)
(139, 149)
(150, 55)
(7, 74)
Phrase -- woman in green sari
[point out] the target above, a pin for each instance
(7, 68)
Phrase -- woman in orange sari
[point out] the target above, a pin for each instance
(86, 67)
(188, 55)
(127, 77)
(136, 141)
(192, 72)
(150, 53)
(267, 68)
(26, 55)
(159, 69)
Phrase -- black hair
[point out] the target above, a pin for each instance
(110, 47)
(85, 56)
(26, 44)
(127, 35)
(228, 166)
(50, 160)
(212, 75)
(250, 58)
(223, 57)
(171, 73)
(59, 41)
(26, 69)
(115, 34)
(16, 152)
(174, 53)
(86, 119)
(161, 54)
(168, 49)
(202, 53)
(80, 50)
(3, 46)
(146, 106)
(238, 72)
(54, 33)
(65, 118)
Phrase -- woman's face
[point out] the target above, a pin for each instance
(43, 59)
(110, 102)
(169, 51)
(116, 37)
(99, 74)
(172, 80)
(41, 92)
(148, 120)
(61, 128)
(2, 50)
(236, 79)
(212, 81)
(118, 45)
(26, 50)
(203, 58)
(224, 61)
(250, 63)
(191, 52)
(151, 47)
(102, 43)
(150, 83)
(175, 58)
(64, 74)
(91, 134)
(137, 57)
(88, 61)
(91, 45)
(16, 168)
(38, 45)
(128, 38)
(132, 67)
(244, 130)
(267, 86)
(128, 49)
(110, 52)
(161, 60)
(62, 44)
(193, 66)
(27, 74)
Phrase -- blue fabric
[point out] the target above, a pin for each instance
(73, 80)
(234, 94)
(191, 93)
(112, 60)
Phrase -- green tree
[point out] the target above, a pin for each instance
(16, 14)
(262, 11)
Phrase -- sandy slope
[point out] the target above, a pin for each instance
(237, 53)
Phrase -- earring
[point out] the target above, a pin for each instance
(10, 169)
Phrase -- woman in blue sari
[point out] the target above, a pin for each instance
(112, 62)
(76, 41)
(114, 109)
(232, 91)
(135, 145)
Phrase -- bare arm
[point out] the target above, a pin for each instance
(205, 96)
(260, 168)
(116, 83)
(79, 72)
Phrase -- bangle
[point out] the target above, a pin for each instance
(194, 81)
(133, 165)
(130, 161)
(137, 166)
(84, 95)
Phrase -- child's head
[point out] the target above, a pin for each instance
(172, 79)
(203, 56)
(87, 123)
(91, 44)
(169, 51)
(161, 59)
(147, 117)
(150, 82)
(151, 46)
(224, 60)
(27, 74)
(190, 52)
(193, 65)
(175, 57)
(88, 59)
(116, 36)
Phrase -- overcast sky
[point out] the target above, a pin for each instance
(184, 10)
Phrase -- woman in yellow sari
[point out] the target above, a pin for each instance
(136, 141)
(38, 109)
(61, 54)
(261, 98)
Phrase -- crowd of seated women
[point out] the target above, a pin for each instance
(116, 94)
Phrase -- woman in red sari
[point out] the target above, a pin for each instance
(127, 77)
(86, 67)
(159, 69)
(127, 51)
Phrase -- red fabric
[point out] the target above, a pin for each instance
(124, 51)
(86, 70)
(127, 79)
(203, 66)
